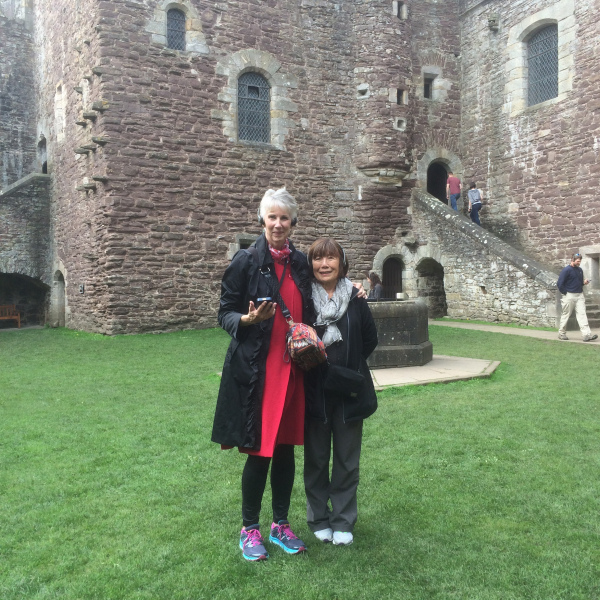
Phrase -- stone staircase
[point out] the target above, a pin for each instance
(592, 309)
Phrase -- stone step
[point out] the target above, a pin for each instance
(592, 310)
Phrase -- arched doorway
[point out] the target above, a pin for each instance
(436, 181)
(29, 295)
(392, 277)
(57, 310)
(430, 287)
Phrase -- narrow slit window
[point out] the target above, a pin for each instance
(401, 97)
(254, 108)
(400, 9)
(542, 63)
(176, 29)
(428, 87)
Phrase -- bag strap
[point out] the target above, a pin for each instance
(266, 273)
(277, 295)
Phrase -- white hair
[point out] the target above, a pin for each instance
(280, 198)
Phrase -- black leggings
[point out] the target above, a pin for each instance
(254, 480)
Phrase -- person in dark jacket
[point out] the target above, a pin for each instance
(261, 404)
(346, 326)
(570, 284)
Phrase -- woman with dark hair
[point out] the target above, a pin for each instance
(376, 287)
(260, 408)
(339, 395)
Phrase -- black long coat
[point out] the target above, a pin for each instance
(238, 414)
(359, 335)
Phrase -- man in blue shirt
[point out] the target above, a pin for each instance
(570, 285)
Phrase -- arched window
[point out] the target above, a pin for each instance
(254, 108)
(542, 62)
(175, 29)
(392, 277)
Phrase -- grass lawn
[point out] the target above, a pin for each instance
(111, 489)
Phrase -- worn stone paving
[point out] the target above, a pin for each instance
(443, 369)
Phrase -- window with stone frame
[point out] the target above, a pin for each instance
(542, 65)
(254, 108)
(176, 29)
(428, 87)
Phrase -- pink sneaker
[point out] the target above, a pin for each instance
(282, 535)
(252, 544)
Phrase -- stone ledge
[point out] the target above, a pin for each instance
(24, 181)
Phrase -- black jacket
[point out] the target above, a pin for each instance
(357, 344)
(238, 414)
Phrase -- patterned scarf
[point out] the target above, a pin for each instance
(330, 310)
(280, 256)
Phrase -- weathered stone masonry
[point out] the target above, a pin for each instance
(539, 164)
(152, 192)
(17, 99)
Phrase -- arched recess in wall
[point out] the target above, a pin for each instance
(29, 295)
(437, 158)
(422, 275)
(395, 257)
(430, 286)
(437, 175)
(392, 277)
(57, 307)
(265, 64)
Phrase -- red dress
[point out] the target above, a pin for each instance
(283, 396)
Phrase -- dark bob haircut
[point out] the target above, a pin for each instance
(328, 247)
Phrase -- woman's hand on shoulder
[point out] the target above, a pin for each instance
(265, 311)
(361, 290)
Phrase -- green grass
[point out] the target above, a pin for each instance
(111, 489)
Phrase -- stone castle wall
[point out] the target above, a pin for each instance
(435, 49)
(25, 221)
(66, 36)
(538, 166)
(152, 188)
(152, 192)
(17, 97)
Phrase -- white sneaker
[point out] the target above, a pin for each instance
(342, 538)
(324, 535)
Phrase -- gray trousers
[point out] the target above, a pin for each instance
(341, 488)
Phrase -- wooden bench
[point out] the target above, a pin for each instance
(9, 312)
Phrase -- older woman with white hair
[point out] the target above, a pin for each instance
(260, 408)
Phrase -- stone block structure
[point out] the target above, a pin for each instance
(153, 184)
(403, 334)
